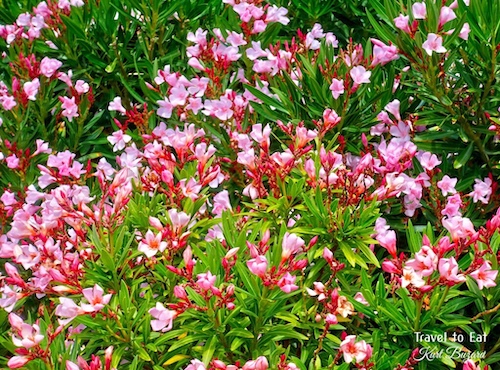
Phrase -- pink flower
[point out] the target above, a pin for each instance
(452, 206)
(482, 191)
(178, 219)
(448, 269)
(95, 298)
(31, 89)
(119, 140)
(429, 161)
(337, 88)
(206, 280)
(260, 363)
(18, 361)
(464, 32)
(485, 276)
(360, 75)
(459, 227)
(195, 365)
(291, 245)
(12, 161)
(287, 283)
(151, 244)
(221, 203)
(49, 66)
(164, 318)
(447, 14)
(116, 105)
(402, 22)
(447, 185)
(258, 266)
(165, 109)
(30, 336)
(470, 365)
(419, 10)
(410, 276)
(275, 14)
(331, 319)
(382, 53)
(70, 109)
(353, 351)
(81, 87)
(425, 261)
(433, 43)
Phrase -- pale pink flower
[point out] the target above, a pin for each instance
(447, 14)
(353, 351)
(433, 43)
(448, 269)
(459, 227)
(319, 290)
(81, 87)
(360, 75)
(331, 319)
(165, 108)
(195, 365)
(221, 203)
(410, 276)
(16, 362)
(49, 66)
(206, 280)
(31, 89)
(402, 22)
(67, 309)
(70, 109)
(482, 191)
(291, 245)
(453, 205)
(96, 300)
(275, 14)
(429, 161)
(447, 185)
(287, 283)
(337, 88)
(12, 161)
(260, 363)
(30, 336)
(425, 261)
(164, 318)
(470, 365)
(419, 10)
(464, 32)
(119, 140)
(485, 276)
(382, 53)
(151, 244)
(178, 219)
(261, 135)
(258, 266)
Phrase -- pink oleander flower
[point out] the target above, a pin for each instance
(165, 108)
(48, 66)
(319, 290)
(447, 185)
(464, 32)
(419, 10)
(116, 105)
(206, 280)
(119, 140)
(12, 161)
(482, 191)
(410, 276)
(470, 365)
(81, 87)
(382, 53)
(429, 161)
(16, 362)
(221, 203)
(96, 300)
(287, 283)
(447, 14)
(337, 88)
(353, 351)
(485, 276)
(331, 319)
(433, 43)
(292, 244)
(164, 318)
(67, 309)
(195, 365)
(425, 261)
(30, 336)
(258, 266)
(30, 88)
(448, 269)
(178, 219)
(459, 227)
(260, 363)
(70, 109)
(360, 75)
(151, 244)
(403, 23)
(275, 14)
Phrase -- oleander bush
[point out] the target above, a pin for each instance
(249, 184)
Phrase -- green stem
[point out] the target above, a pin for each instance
(416, 325)
(260, 318)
